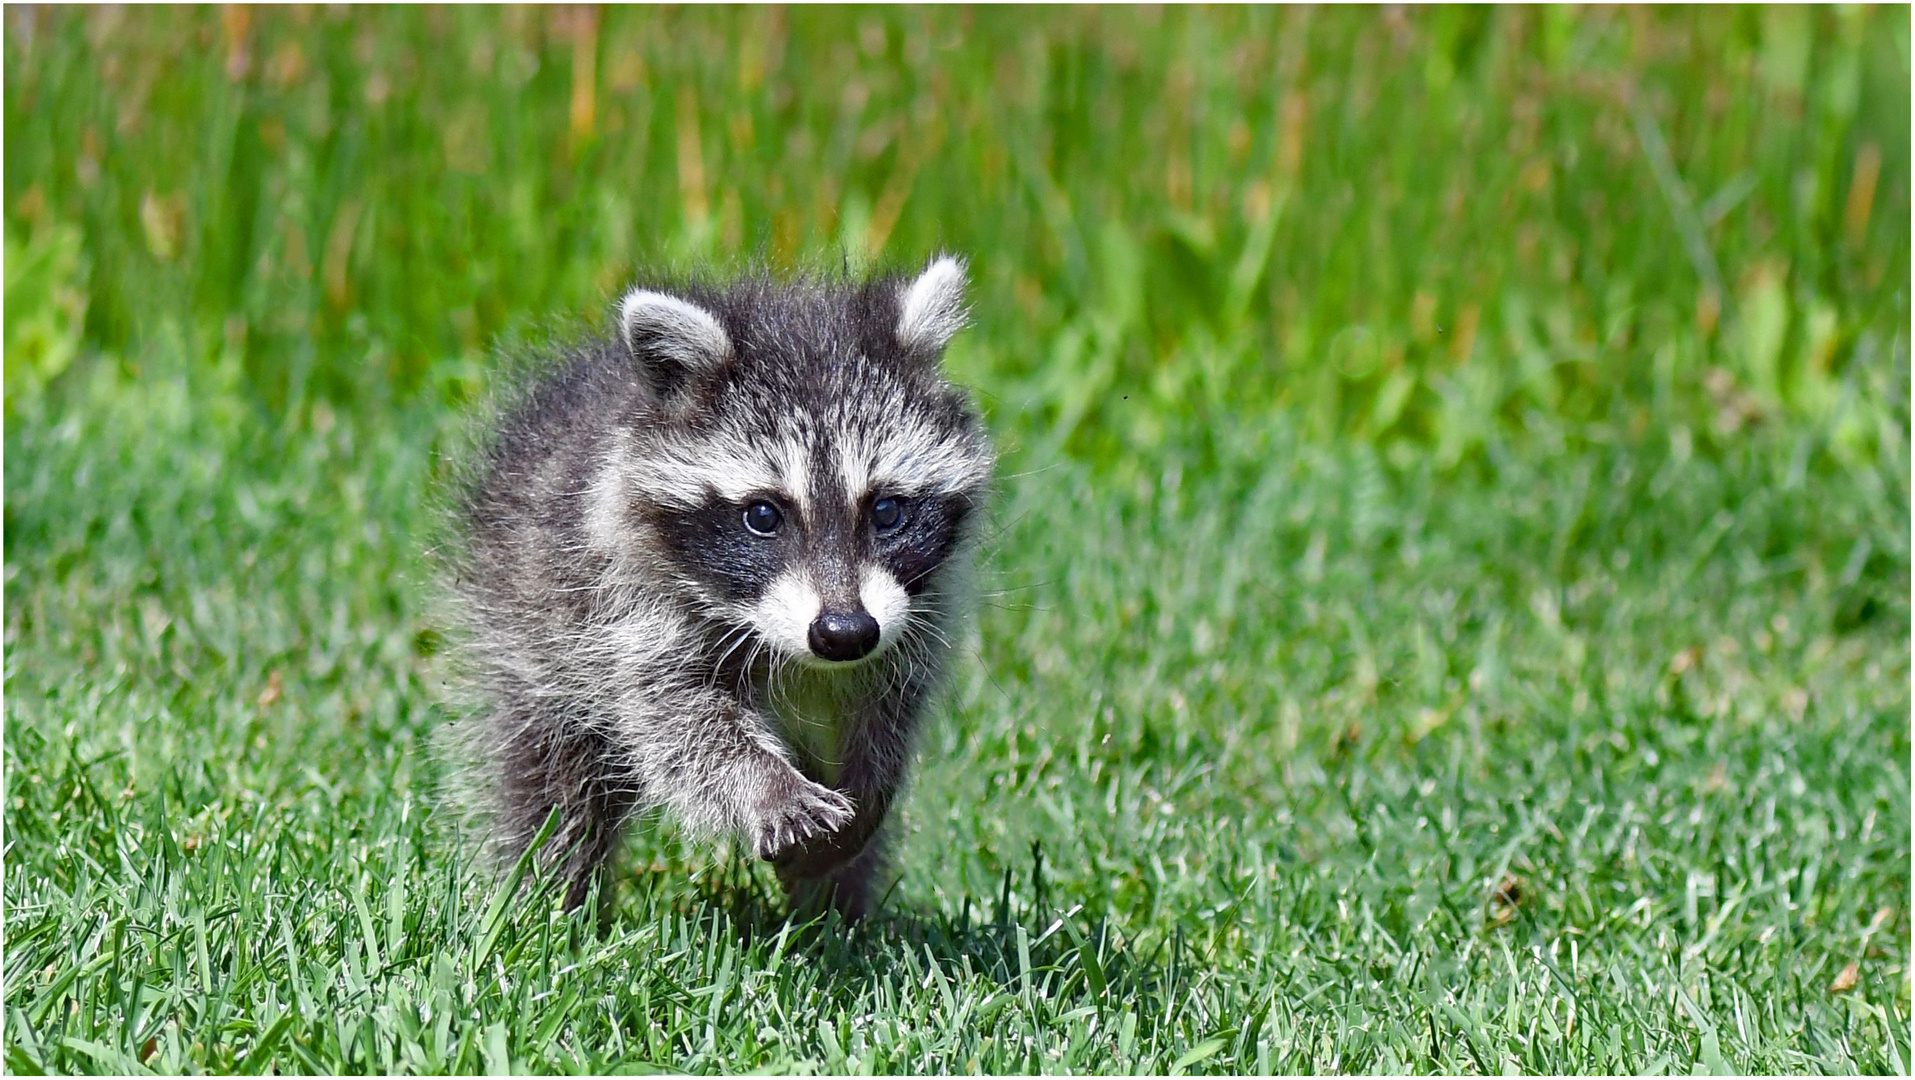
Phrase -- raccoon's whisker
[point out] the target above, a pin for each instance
(988, 541)
(1009, 589)
(917, 654)
(778, 666)
(919, 657)
(931, 628)
(717, 671)
(988, 677)
(742, 634)
(1039, 471)
(1015, 607)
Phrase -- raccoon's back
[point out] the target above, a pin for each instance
(524, 561)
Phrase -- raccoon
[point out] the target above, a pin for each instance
(712, 563)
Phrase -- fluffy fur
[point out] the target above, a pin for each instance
(639, 641)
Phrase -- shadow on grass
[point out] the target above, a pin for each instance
(1004, 944)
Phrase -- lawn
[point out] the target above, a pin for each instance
(1446, 607)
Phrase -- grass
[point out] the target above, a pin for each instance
(1352, 692)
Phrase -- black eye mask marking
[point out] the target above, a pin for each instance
(717, 545)
(739, 548)
(924, 537)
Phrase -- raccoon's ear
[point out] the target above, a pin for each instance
(931, 308)
(673, 340)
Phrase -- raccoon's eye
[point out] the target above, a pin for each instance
(887, 513)
(762, 518)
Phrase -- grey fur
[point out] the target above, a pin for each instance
(635, 646)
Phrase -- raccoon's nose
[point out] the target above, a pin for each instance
(842, 637)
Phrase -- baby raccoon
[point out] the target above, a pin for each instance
(710, 564)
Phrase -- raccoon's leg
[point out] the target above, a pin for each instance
(837, 868)
(852, 886)
(551, 761)
(712, 761)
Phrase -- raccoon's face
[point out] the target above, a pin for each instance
(805, 470)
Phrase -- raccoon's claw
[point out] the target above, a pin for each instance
(791, 816)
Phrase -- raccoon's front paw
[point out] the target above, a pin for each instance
(795, 810)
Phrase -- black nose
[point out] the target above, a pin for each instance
(841, 637)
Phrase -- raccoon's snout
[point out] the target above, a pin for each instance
(842, 637)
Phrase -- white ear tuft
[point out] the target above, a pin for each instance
(674, 337)
(932, 307)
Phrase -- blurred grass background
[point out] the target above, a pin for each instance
(1429, 230)
(1449, 609)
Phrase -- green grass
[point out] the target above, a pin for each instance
(1447, 604)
